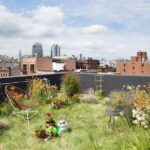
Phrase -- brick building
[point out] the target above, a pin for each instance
(9, 68)
(137, 65)
(89, 64)
(105, 69)
(4, 73)
(68, 64)
(34, 65)
(40, 65)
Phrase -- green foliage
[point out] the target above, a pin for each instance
(117, 98)
(5, 109)
(69, 92)
(39, 129)
(99, 94)
(70, 84)
(35, 88)
(41, 91)
(60, 101)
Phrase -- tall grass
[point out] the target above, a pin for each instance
(90, 131)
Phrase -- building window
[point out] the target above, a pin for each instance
(32, 68)
(124, 70)
(124, 65)
(133, 67)
(24, 69)
(142, 65)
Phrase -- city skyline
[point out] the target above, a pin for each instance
(96, 28)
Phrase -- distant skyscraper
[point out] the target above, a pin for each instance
(20, 54)
(37, 50)
(80, 56)
(55, 50)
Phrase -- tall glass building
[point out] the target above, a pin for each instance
(55, 50)
(37, 50)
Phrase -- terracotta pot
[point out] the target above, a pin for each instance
(41, 135)
(48, 124)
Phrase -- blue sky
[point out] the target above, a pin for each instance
(97, 28)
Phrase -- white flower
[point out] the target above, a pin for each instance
(121, 113)
(140, 118)
(116, 117)
(129, 87)
(134, 113)
(135, 121)
(124, 86)
(146, 126)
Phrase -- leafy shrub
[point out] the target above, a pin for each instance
(69, 92)
(60, 101)
(70, 85)
(52, 91)
(142, 100)
(75, 98)
(141, 111)
(35, 88)
(117, 98)
(141, 105)
(42, 91)
(99, 94)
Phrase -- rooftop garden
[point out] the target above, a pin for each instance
(86, 116)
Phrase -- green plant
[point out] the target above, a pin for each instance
(99, 94)
(70, 84)
(117, 98)
(141, 111)
(61, 100)
(75, 98)
(49, 118)
(35, 88)
(51, 92)
(39, 129)
(69, 92)
(41, 91)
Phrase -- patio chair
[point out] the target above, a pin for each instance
(124, 111)
(18, 99)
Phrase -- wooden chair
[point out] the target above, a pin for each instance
(19, 101)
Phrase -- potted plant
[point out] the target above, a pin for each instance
(50, 120)
(40, 132)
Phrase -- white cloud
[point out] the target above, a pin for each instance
(47, 15)
(42, 21)
(49, 25)
(94, 29)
